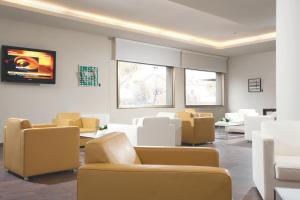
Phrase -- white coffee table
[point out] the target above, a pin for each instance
(128, 129)
(226, 125)
(288, 193)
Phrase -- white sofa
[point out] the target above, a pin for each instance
(276, 157)
(155, 131)
(176, 122)
(253, 123)
(238, 118)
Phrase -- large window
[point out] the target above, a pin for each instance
(143, 85)
(203, 88)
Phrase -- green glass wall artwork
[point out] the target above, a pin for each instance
(88, 76)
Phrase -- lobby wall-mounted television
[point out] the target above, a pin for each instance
(28, 65)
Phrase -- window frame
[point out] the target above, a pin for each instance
(204, 105)
(172, 105)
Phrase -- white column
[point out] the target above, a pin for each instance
(288, 60)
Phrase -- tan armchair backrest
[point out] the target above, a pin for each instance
(195, 113)
(112, 148)
(74, 119)
(68, 115)
(184, 115)
(205, 114)
(191, 110)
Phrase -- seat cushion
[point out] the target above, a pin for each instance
(87, 130)
(287, 168)
(112, 148)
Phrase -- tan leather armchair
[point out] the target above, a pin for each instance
(195, 113)
(115, 170)
(196, 130)
(74, 119)
(30, 151)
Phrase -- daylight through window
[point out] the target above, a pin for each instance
(203, 88)
(144, 85)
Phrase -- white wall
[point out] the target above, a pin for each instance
(40, 103)
(288, 30)
(240, 69)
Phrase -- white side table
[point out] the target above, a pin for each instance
(288, 193)
(128, 129)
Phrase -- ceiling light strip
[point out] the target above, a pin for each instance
(37, 5)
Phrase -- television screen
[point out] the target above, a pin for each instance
(28, 65)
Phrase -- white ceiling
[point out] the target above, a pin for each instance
(212, 19)
(217, 20)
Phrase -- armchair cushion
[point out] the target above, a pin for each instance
(287, 168)
(178, 156)
(87, 130)
(111, 148)
(43, 125)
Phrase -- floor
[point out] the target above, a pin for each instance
(235, 155)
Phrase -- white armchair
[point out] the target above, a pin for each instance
(276, 157)
(253, 123)
(176, 122)
(155, 131)
(239, 117)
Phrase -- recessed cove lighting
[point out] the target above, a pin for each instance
(98, 19)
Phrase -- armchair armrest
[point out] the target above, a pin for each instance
(205, 126)
(136, 182)
(43, 125)
(90, 122)
(46, 148)
(263, 163)
(178, 156)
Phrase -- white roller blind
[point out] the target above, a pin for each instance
(204, 62)
(133, 51)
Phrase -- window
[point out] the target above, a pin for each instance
(203, 88)
(144, 85)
